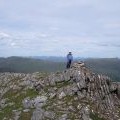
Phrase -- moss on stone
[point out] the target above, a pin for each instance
(26, 115)
(94, 116)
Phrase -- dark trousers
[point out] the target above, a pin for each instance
(68, 64)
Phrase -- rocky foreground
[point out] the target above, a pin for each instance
(74, 94)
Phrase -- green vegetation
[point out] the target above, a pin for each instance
(26, 115)
(6, 112)
(94, 116)
(16, 98)
(62, 84)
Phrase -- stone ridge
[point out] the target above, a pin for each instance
(74, 94)
(100, 90)
(97, 89)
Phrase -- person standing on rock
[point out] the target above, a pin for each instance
(69, 59)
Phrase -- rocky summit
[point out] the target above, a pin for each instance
(74, 94)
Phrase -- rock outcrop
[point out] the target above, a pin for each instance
(74, 94)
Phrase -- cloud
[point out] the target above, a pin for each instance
(4, 35)
(42, 35)
(39, 43)
(13, 44)
(113, 25)
(54, 28)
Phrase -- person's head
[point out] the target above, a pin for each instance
(70, 52)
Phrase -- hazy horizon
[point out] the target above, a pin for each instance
(60, 57)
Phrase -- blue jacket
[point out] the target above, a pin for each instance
(69, 57)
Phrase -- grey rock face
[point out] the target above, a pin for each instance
(2, 103)
(34, 103)
(39, 101)
(63, 117)
(16, 115)
(27, 103)
(49, 114)
(38, 114)
(62, 94)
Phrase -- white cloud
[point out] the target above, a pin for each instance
(4, 35)
(13, 44)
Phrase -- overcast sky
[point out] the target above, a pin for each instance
(88, 28)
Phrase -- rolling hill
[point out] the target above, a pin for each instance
(106, 66)
(28, 65)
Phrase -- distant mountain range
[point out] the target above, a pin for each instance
(107, 66)
(54, 58)
(29, 65)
